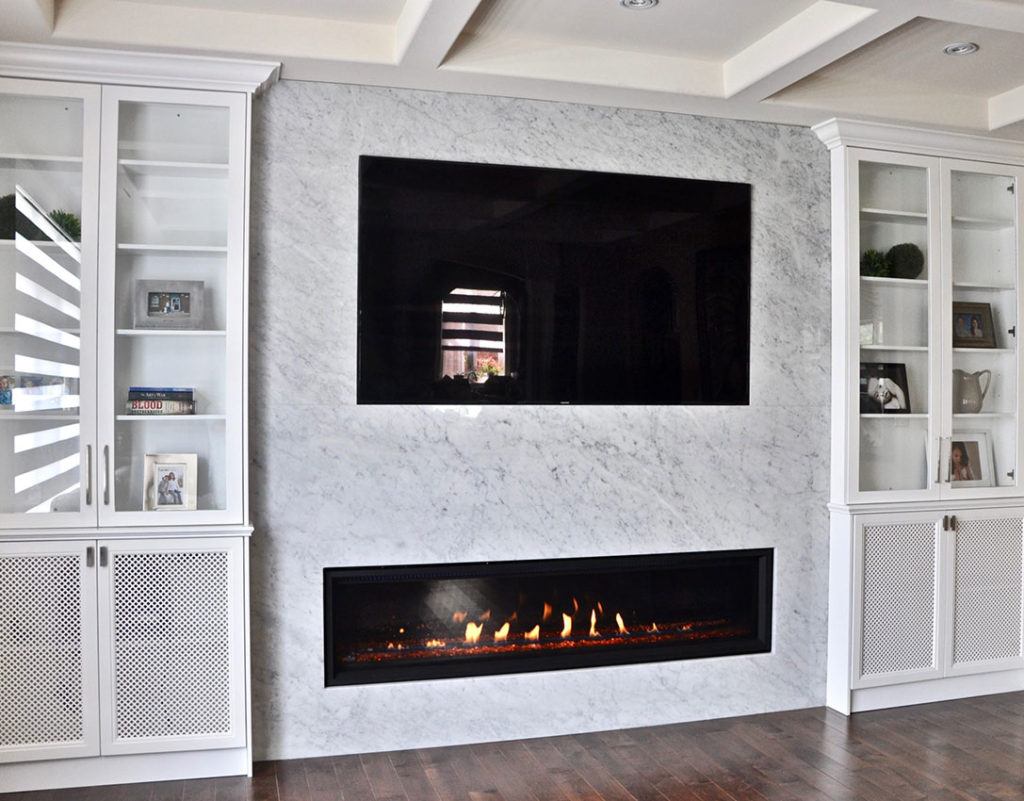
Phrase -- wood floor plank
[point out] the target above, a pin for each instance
(352, 779)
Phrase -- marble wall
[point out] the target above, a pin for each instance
(336, 484)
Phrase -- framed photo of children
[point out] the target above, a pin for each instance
(170, 482)
(973, 326)
(884, 388)
(970, 460)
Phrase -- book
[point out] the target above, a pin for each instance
(160, 393)
(157, 407)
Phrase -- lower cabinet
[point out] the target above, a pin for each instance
(931, 596)
(121, 646)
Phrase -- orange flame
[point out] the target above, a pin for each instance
(547, 612)
(458, 617)
(435, 643)
(600, 608)
(575, 606)
(473, 631)
(486, 616)
(501, 634)
(533, 634)
(593, 623)
(622, 626)
(566, 625)
(654, 628)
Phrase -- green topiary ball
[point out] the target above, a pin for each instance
(69, 222)
(905, 261)
(874, 263)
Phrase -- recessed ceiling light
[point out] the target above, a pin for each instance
(638, 4)
(960, 49)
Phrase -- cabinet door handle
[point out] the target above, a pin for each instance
(88, 476)
(106, 475)
(952, 522)
(103, 556)
(945, 522)
(90, 556)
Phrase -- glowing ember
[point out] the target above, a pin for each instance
(533, 634)
(458, 617)
(485, 616)
(593, 623)
(547, 612)
(620, 624)
(600, 608)
(654, 628)
(401, 631)
(434, 643)
(473, 631)
(566, 625)
(501, 634)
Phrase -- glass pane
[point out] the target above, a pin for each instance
(40, 301)
(170, 311)
(983, 452)
(894, 380)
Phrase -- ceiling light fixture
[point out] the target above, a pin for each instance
(960, 49)
(638, 4)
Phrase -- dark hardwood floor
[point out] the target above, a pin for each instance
(959, 750)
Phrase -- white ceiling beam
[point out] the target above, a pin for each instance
(814, 38)
(427, 29)
(1006, 108)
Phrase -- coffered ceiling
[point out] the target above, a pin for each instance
(795, 61)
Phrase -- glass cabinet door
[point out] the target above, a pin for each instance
(171, 358)
(896, 286)
(983, 429)
(48, 185)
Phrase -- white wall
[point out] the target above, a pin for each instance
(336, 484)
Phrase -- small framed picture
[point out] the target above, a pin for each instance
(168, 304)
(972, 325)
(970, 459)
(884, 388)
(170, 482)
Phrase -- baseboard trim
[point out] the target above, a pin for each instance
(57, 774)
(933, 690)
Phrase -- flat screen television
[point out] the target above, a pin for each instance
(495, 284)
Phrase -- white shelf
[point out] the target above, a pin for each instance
(966, 285)
(983, 223)
(179, 169)
(907, 348)
(910, 283)
(201, 250)
(75, 331)
(41, 244)
(40, 157)
(983, 415)
(168, 332)
(895, 416)
(33, 417)
(135, 418)
(993, 351)
(894, 215)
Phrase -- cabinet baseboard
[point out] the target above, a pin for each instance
(130, 769)
(932, 690)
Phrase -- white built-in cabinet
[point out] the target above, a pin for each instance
(123, 627)
(927, 516)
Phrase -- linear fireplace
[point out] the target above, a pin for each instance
(436, 621)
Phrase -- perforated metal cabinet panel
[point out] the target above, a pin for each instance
(175, 627)
(987, 590)
(898, 622)
(48, 705)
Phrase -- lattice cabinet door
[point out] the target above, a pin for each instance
(172, 635)
(897, 633)
(48, 694)
(985, 617)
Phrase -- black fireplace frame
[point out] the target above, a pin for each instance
(761, 642)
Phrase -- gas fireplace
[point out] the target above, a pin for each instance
(436, 621)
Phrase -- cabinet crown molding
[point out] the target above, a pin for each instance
(93, 65)
(840, 132)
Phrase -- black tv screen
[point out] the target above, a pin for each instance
(495, 284)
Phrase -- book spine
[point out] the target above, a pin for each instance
(140, 395)
(157, 407)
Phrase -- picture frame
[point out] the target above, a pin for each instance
(973, 326)
(168, 304)
(970, 460)
(169, 482)
(884, 388)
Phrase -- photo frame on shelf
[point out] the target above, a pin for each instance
(168, 304)
(973, 326)
(970, 460)
(884, 388)
(169, 483)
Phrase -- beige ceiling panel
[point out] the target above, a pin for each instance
(374, 12)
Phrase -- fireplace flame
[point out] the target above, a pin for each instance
(473, 631)
(621, 625)
(575, 606)
(654, 628)
(547, 612)
(600, 609)
(485, 616)
(501, 635)
(533, 634)
(593, 623)
(458, 617)
(434, 644)
(566, 625)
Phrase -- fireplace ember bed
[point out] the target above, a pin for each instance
(386, 624)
